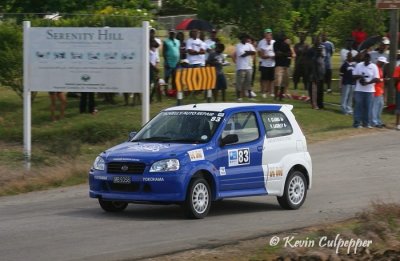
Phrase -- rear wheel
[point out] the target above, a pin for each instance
(295, 191)
(198, 199)
(112, 206)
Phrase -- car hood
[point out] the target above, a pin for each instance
(148, 151)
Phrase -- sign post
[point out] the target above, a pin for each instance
(27, 99)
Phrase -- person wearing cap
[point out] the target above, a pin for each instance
(244, 66)
(211, 41)
(377, 100)
(366, 75)
(171, 54)
(265, 50)
(382, 50)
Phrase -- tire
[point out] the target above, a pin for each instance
(198, 199)
(295, 191)
(112, 206)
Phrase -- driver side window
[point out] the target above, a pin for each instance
(244, 125)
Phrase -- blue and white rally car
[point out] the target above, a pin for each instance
(196, 154)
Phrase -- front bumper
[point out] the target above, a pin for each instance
(147, 187)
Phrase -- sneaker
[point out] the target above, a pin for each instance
(264, 95)
(398, 127)
(239, 99)
(329, 90)
(252, 94)
(272, 95)
(368, 127)
(358, 127)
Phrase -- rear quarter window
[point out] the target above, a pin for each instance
(276, 124)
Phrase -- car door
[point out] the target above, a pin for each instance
(279, 143)
(239, 163)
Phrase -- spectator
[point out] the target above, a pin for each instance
(396, 76)
(63, 103)
(204, 47)
(329, 50)
(348, 84)
(171, 47)
(154, 70)
(217, 59)
(366, 75)
(359, 36)
(346, 49)
(265, 49)
(212, 41)
(243, 52)
(377, 100)
(87, 103)
(381, 51)
(283, 54)
(182, 49)
(316, 71)
(194, 49)
(301, 49)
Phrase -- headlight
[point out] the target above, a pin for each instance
(165, 165)
(99, 163)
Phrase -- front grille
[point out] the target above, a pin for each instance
(133, 187)
(126, 167)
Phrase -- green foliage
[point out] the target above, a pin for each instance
(11, 57)
(176, 7)
(345, 17)
(248, 16)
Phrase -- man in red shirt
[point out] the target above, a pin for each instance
(396, 76)
(359, 36)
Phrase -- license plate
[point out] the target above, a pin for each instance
(122, 180)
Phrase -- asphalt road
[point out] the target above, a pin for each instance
(64, 224)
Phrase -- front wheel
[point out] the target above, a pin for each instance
(112, 206)
(295, 191)
(198, 199)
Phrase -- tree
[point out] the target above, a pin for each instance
(346, 16)
(11, 57)
(248, 16)
(177, 7)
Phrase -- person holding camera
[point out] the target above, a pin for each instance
(366, 75)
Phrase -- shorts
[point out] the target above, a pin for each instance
(267, 73)
(397, 110)
(243, 79)
(221, 82)
(281, 76)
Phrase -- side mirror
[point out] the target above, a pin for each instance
(229, 139)
(132, 134)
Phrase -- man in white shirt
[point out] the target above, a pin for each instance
(366, 75)
(265, 49)
(195, 49)
(244, 66)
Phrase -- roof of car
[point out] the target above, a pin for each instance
(219, 107)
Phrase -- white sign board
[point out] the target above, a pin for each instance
(72, 59)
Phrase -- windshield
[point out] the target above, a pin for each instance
(181, 126)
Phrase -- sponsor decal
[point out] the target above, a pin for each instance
(147, 147)
(196, 155)
(222, 171)
(100, 177)
(158, 179)
(275, 171)
(239, 157)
